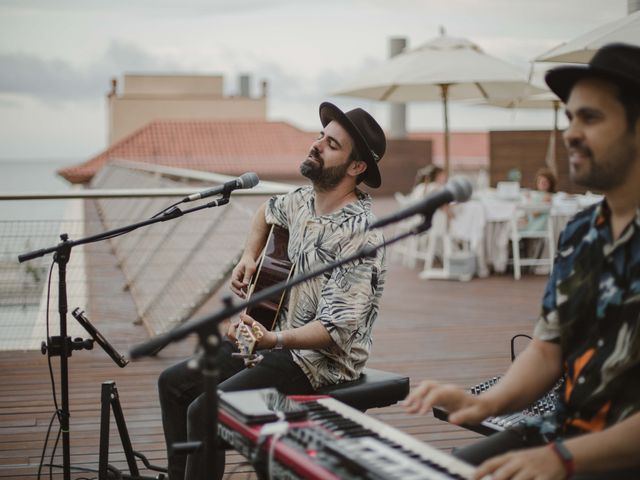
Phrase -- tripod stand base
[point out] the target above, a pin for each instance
(112, 474)
(111, 401)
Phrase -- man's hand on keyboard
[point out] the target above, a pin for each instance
(528, 464)
(463, 407)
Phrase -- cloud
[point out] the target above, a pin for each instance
(288, 82)
(27, 74)
(329, 81)
(7, 101)
(58, 80)
(167, 8)
(54, 81)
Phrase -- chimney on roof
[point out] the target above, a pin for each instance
(244, 86)
(114, 86)
(633, 6)
(111, 100)
(264, 88)
(398, 111)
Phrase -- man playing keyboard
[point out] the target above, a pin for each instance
(589, 329)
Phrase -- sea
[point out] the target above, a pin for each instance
(32, 176)
(22, 224)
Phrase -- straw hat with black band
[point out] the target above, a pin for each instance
(368, 137)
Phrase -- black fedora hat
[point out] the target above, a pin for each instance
(616, 62)
(368, 137)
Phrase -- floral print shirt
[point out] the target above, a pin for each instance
(591, 308)
(345, 300)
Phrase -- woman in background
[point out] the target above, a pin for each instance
(545, 187)
(428, 179)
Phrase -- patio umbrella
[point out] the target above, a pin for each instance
(544, 100)
(444, 68)
(582, 48)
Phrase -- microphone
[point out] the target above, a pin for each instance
(246, 180)
(457, 189)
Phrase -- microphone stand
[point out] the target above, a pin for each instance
(209, 337)
(63, 345)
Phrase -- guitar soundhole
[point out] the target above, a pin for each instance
(274, 269)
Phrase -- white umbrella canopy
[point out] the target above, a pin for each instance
(582, 48)
(444, 68)
(537, 100)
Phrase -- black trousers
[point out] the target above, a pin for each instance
(519, 437)
(182, 403)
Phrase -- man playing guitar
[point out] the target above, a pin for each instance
(322, 333)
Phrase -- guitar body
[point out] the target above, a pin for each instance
(274, 267)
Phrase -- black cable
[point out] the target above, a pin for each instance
(167, 210)
(85, 470)
(53, 383)
(57, 412)
(161, 212)
(513, 343)
(132, 229)
(55, 447)
(114, 235)
(258, 454)
(272, 450)
(46, 441)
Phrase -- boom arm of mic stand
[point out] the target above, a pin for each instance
(152, 346)
(170, 215)
(207, 330)
(62, 252)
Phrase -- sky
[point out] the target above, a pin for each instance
(57, 58)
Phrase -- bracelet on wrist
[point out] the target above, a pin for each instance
(279, 341)
(565, 457)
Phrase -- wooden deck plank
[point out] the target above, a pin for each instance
(451, 331)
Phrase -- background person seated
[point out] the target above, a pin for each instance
(428, 179)
(545, 187)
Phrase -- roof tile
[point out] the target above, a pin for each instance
(273, 149)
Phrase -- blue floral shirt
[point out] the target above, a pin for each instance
(591, 308)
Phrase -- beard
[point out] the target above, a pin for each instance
(604, 176)
(323, 179)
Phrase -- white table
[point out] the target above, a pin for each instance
(484, 223)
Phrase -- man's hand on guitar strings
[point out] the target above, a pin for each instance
(232, 331)
(241, 276)
(246, 339)
(264, 338)
(256, 330)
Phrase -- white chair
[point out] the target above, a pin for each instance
(455, 254)
(437, 245)
(405, 250)
(467, 229)
(540, 214)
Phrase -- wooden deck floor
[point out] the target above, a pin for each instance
(451, 331)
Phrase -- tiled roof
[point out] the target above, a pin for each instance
(271, 149)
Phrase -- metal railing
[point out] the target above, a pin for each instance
(158, 275)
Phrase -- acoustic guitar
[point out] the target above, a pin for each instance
(274, 267)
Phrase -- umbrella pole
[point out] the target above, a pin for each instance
(554, 160)
(445, 94)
